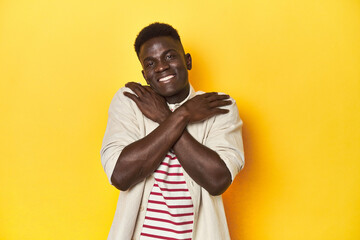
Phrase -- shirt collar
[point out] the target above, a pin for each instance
(174, 106)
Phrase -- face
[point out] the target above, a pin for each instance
(165, 68)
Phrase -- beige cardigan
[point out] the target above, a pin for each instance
(221, 133)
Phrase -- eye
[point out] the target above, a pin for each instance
(149, 64)
(170, 56)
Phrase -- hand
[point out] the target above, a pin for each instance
(152, 105)
(206, 105)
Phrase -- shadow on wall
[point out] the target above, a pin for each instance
(238, 198)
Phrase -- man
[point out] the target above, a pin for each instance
(171, 151)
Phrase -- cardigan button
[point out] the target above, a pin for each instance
(142, 208)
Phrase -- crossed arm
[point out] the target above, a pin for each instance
(141, 158)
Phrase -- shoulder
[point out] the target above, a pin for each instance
(120, 102)
(119, 95)
(120, 98)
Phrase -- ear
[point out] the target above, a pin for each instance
(142, 71)
(188, 61)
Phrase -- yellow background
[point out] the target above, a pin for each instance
(292, 66)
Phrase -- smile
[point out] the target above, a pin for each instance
(164, 79)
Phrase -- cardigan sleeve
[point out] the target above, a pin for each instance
(225, 138)
(122, 129)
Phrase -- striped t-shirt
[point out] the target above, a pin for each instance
(169, 214)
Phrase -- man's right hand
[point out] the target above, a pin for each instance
(204, 106)
(151, 104)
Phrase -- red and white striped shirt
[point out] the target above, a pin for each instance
(169, 214)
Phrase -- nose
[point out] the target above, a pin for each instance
(162, 66)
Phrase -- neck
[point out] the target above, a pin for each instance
(179, 98)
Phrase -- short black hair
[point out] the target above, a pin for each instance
(155, 30)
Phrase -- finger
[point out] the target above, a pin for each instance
(137, 88)
(151, 91)
(217, 97)
(131, 96)
(209, 94)
(220, 111)
(220, 103)
(217, 111)
(132, 84)
(148, 89)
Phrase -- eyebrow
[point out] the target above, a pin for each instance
(164, 53)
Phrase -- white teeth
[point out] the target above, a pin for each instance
(166, 78)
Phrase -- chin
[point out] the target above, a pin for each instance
(168, 94)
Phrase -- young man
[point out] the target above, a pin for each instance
(171, 151)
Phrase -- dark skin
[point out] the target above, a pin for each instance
(165, 67)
